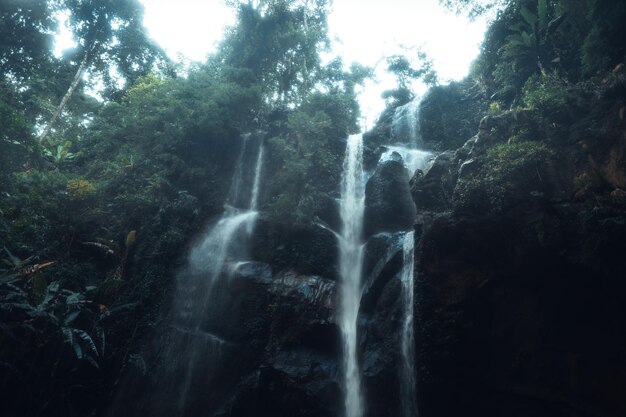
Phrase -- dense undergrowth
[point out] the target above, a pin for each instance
(96, 218)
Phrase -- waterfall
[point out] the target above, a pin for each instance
(234, 194)
(405, 127)
(407, 372)
(257, 180)
(193, 350)
(413, 159)
(254, 198)
(209, 256)
(406, 132)
(350, 268)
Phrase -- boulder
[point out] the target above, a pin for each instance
(389, 206)
(432, 190)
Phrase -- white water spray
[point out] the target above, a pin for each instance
(413, 159)
(407, 388)
(405, 125)
(225, 240)
(210, 255)
(254, 200)
(350, 268)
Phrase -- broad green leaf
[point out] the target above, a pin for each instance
(78, 350)
(86, 341)
(130, 238)
(529, 16)
(40, 287)
(68, 336)
(542, 11)
(71, 316)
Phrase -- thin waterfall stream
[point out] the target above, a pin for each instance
(405, 128)
(225, 242)
(350, 267)
(407, 370)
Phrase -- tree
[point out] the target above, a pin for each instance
(112, 45)
(279, 42)
(406, 72)
(26, 40)
(531, 37)
(474, 8)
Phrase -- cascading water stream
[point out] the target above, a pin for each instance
(209, 256)
(405, 128)
(350, 268)
(413, 159)
(254, 199)
(407, 371)
(405, 124)
(226, 239)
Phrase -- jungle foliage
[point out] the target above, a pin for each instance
(534, 42)
(96, 218)
(96, 212)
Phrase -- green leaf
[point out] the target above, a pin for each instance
(68, 336)
(516, 42)
(86, 341)
(100, 339)
(74, 298)
(9, 279)
(40, 287)
(130, 238)
(554, 24)
(71, 316)
(542, 11)
(92, 361)
(121, 308)
(78, 351)
(15, 261)
(529, 17)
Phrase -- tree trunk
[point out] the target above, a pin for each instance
(70, 91)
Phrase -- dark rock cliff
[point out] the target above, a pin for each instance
(521, 297)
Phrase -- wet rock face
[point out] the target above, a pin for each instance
(520, 287)
(297, 369)
(296, 374)
(449, 115)
(307, 249)
(381, 324)
(432, 190)
(512, 309)
(388, 203)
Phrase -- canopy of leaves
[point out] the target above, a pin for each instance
(279, 43)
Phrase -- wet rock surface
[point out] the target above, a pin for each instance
(520, 289)
(388, 202)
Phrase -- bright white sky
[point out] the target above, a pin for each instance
(363, 31)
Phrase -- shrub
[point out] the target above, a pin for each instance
(545, 92)
(503, 176)
(79, 189)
